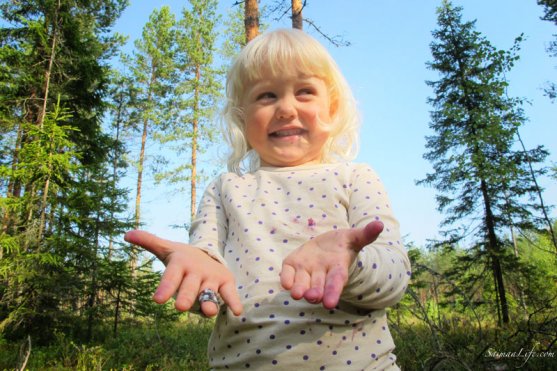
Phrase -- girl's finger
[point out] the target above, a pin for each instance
(230, 296)
(315, 293)
(155, 245)
(187, 295)
(334, 283)
(209, 308)
(301, 284)
(287, 276)
(170, 281)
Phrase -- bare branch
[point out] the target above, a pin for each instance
(337, 40)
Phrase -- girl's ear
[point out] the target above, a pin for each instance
(333, 108)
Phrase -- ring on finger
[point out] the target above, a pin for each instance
(209, 295)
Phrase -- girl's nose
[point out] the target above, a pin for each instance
(286, 109)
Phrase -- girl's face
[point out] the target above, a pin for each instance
(287, 120)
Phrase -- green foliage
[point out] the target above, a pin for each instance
(196, 95)
(139, 346)
(479, 176)
(445, 321)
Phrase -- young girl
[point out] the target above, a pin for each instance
(302, 246)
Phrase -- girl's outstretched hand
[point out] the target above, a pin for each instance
(189, 270)
(318, 270)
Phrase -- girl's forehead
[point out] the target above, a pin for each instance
(275, 73)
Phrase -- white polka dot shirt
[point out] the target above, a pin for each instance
(252, 222)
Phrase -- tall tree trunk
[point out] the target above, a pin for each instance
(48, 71)
(195, 125)
(251, 19)
(297, 19)
(116, 155)
(494, 252)
(137, 217)
(42, 115)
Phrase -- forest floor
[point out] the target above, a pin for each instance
(182, 346)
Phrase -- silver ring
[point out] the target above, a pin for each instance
(209, 295)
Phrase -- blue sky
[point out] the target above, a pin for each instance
(386, 67)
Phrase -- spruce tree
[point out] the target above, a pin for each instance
(479, 176)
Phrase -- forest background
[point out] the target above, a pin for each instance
(100, 135)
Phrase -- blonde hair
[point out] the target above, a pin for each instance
(278, 53)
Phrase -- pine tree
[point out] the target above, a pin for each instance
(477, 173)
(197, 93)
(153, 69)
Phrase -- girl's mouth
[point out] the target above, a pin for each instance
(286, 133)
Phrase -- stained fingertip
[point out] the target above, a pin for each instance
(330, 302)
(313, 296)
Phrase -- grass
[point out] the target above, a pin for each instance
(174, 346)
(182, 346)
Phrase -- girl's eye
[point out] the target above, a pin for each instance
(265, 96)
(306, 91)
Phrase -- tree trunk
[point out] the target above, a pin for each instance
(91, 302)
(297, 19)
(494, 252)
(117, 312)
(137, 217)
(115, 173)
(48, 72)
(251, 19)
(195, 124)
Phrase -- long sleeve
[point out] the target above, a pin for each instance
(380, 275)
(210, 228)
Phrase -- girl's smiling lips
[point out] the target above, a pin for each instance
(287, 132)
